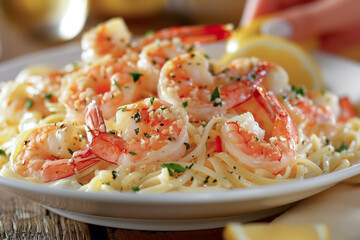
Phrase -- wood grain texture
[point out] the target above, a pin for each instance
(23, 219)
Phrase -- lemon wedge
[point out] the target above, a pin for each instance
(262, 231)
(301, 68)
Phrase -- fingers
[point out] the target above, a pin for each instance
(314, 18)
(341, 39)
(257, 8)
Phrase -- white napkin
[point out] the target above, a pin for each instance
(338, 207)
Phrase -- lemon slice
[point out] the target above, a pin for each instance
(262, 231)
(302, 69)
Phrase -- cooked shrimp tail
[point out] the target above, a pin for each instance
(193, 34)
(245, 140)
(149, 131)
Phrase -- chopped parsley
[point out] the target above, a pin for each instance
(298, 90)
(154, 62)
(133, 153)
(70, 151)
(147, 135)
(29, 103)
(124, 109)
(117, 85)
(215, 96)
(206, 56)
(184, 104)
(135, 76)
(136, 131)
(136, 117)
(253, 76)
(206, 179)
(2, 152)
(342, 147)
(163, 108)
(135, 189)
(113, 174)
(190, 166)
(48, 95)
(151, 99)
(173, 168)
(187, 145)
(112, 132)
(107, 183)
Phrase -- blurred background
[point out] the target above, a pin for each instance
(31, 25)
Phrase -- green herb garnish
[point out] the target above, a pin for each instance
(215, 96)
(29, 103)
(187, 145)
(173, 168)
(342, 147)
(135, 76)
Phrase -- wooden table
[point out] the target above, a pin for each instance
(23, 219)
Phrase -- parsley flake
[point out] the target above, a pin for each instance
(48, 95)
(187, 145)
(206, 179)
(135, 189)
(113, 174)
(147, 135)
(117, 85)
(184, 104)
(151, 99)
(173, 168)
(70, 151)
(215, 96)
(135, 76)
(2, 152)
(133, 153)
(136, 131)
(136, 117)
(342, 147)
(29, 103)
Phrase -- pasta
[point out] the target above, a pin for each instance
(158, 116)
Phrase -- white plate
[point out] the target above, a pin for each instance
(179, 211)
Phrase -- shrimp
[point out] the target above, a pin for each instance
(109, 82)
(200, 34)
(148, 131)
(245, 140)
(43, 78)
(186, 81)
(51, 152)
(153, 57)
(313, 111)
(16, 99)
(113, 37)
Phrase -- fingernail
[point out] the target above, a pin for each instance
(277, 27)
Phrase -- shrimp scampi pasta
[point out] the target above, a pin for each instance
(160, 115)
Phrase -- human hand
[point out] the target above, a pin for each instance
(335, 22)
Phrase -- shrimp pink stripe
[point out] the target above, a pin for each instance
(279, 115)
(194, 34)
(94, 119)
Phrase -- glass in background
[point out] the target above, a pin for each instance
(49, 20)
